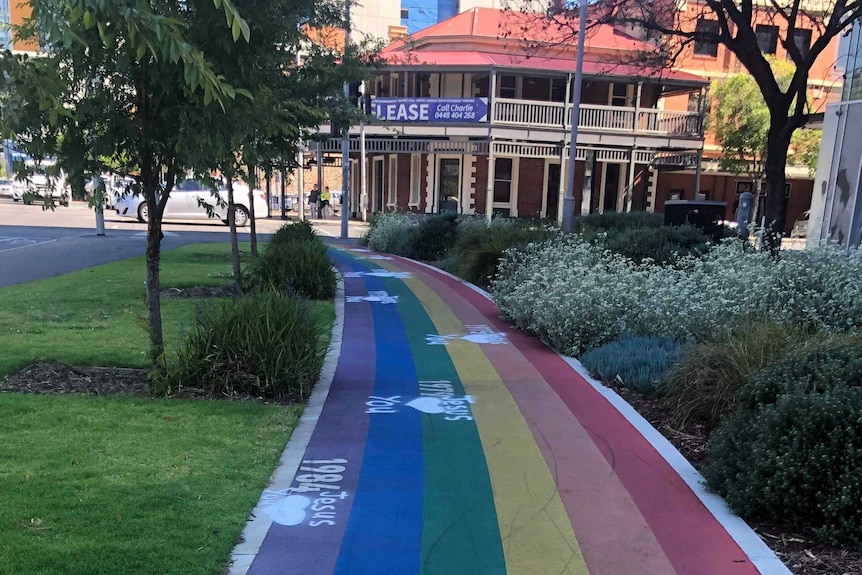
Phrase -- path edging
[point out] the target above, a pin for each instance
(762, 557)
(258, 525)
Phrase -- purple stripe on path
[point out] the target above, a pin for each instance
(338, 441)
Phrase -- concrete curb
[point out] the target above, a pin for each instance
(259, 522)
(762, 557)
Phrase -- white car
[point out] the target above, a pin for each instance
(6, 189)
(189, 201)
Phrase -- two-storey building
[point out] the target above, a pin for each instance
(473, 115)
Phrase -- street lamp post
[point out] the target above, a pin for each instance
(345, 141)
(569, 200)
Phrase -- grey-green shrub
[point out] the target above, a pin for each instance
(295, 266)
(264, 345)
(392, 233)
(792, 452)
(639, 363)
(578, 295)
(591, 226)
(302, 230)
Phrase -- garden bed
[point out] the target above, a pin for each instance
(801, 554)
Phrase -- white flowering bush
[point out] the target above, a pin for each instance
(578, 295)
(391, 233)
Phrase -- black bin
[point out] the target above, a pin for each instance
(703, 214)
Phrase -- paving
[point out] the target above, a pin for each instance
(448, 443)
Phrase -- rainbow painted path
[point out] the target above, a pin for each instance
(450, 444)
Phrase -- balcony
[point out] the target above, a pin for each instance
(605, 119)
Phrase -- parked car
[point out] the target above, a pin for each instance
(189, 200)
(5, 188)
(41, 187)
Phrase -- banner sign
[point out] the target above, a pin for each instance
(460, 110)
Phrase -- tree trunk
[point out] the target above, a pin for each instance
(234, 242)
(777, 146)
(252, 180)
(154, 246)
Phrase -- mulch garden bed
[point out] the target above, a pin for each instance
(802, 554)
(67, 379)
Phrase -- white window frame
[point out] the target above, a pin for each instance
(437, 177)
(512, 204)
(392, 182)
(415, 180)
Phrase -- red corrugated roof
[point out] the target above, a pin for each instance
(488, 60)
(511, 25)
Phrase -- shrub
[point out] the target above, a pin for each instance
(792, 452)
(664, 244)
(433, 237)
(703, 386)
(592, 225)
(296, 266)
(833, 363)
(265, 344)
(392, 233)
(578, 295)
(639, 363)
(479, 249)
(302, 230)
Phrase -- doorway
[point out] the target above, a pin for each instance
(612, 178)
(552, 192)
(449, 184)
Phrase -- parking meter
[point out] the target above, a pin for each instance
(743, 213)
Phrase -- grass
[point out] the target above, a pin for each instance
(97, 316)
(131, 485)
(125, 485)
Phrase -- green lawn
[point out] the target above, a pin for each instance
(97, 316)
(124, 485)
(114, 486)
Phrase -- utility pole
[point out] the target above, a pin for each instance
(569, 199)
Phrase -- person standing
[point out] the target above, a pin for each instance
(314, 201)
(324, 203)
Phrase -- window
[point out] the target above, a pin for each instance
(405, 14)
(558, 90)
(508, 87)
(619, 95)
(694, 100)
(503, 180)
(415, 178)
(392, 196)
(767, 38)
(705, 46)
(802, 39)
(743, 187)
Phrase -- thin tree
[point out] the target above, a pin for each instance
(129, 70)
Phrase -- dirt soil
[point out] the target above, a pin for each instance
(68, 379)
(200, 292)
(803, 554)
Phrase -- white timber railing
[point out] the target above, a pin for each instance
(527, 113)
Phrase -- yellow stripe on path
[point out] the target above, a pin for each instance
(536, 533)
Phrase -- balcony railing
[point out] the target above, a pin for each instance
(593, 118)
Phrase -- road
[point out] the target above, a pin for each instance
(36, 244)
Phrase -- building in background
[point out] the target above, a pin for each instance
(714, 62)
(836, 207)
(393, 19)
(470, 121)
